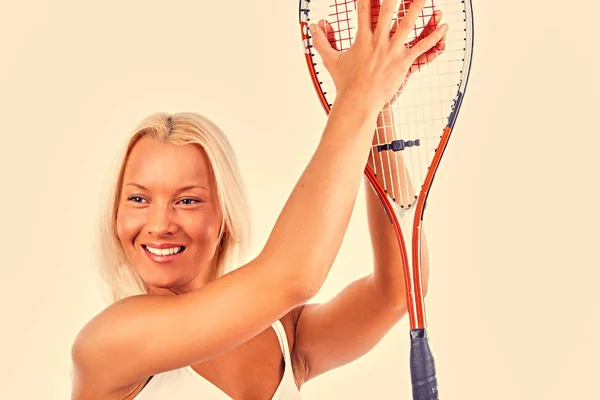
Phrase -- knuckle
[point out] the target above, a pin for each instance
(404, 24)
(422, 46)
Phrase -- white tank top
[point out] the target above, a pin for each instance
(187, 384)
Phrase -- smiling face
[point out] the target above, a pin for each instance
(168, 218)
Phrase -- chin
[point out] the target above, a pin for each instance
(162, 279)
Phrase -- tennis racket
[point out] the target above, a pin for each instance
(412, 134)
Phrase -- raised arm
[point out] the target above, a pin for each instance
(336, 332)
(145, 335)
(343, 329)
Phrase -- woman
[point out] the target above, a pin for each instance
(181, 329)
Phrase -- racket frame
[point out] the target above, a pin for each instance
(414, 284)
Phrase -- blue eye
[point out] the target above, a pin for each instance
(136, 199)
(189, 202)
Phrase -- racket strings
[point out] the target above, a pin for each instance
(410, 129)
(342, 19)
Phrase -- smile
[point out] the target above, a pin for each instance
(165, 251)
(165, 255)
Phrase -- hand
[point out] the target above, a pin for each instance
(426, 57)
(378, 61)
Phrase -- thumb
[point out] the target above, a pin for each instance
(322, 44)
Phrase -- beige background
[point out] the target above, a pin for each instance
(512, 218)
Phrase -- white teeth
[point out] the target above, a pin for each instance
(164, 252)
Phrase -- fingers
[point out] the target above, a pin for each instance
(441, 45)
(428, 56)
(386, 14)
(329, 33)
(432, 23)
(423, 46)
(406, 23)
(322, 44)
(436, 50)
(364, 17)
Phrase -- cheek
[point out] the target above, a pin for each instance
(128, 227)
(205, 228)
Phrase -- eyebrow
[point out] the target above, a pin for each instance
(182, 189)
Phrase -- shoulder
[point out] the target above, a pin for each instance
(99, 327)
(90, 366)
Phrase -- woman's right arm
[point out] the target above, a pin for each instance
(144, 335)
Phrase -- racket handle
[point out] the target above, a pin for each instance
(422, 367)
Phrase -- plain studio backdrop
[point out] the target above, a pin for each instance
(511, 219)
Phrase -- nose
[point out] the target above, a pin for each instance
(160, 222)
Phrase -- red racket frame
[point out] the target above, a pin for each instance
(414, 284)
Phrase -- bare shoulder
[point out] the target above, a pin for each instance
(92, 377)
(104, 323)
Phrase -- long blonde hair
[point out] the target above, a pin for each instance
(182, 128)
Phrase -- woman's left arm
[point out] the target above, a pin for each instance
(334, 333)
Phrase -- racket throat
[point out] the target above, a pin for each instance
(409, 224)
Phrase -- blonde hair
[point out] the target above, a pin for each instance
(121, 278)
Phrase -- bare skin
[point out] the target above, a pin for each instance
(342, 330)
(221, 326)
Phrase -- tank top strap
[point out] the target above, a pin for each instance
(283, 343)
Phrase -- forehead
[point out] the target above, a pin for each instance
(152, 163)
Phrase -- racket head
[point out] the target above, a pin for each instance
(412, 135)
